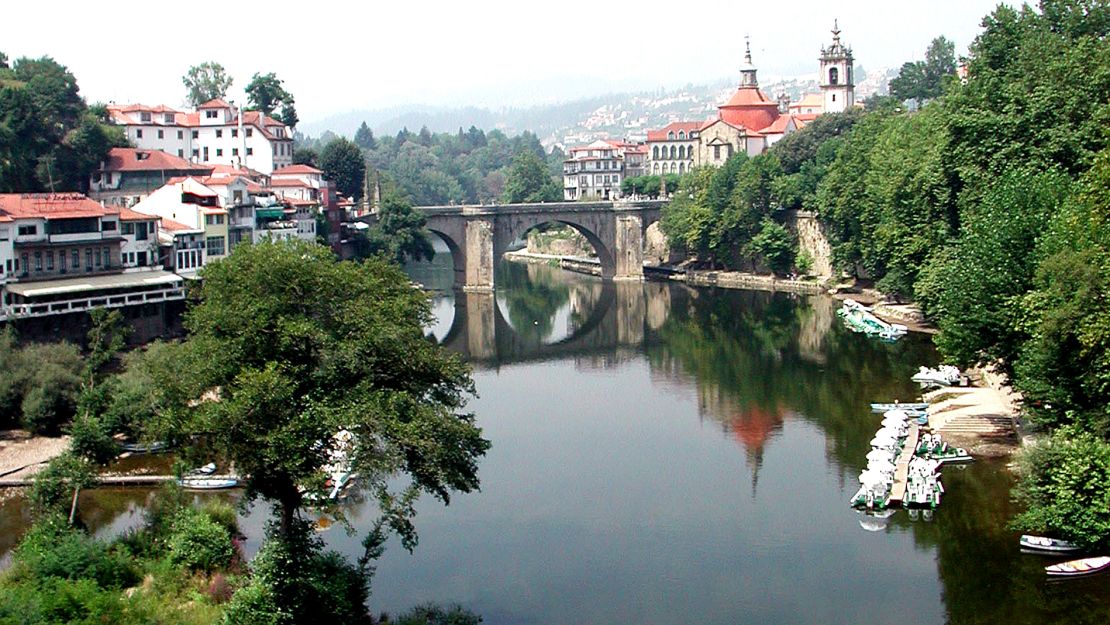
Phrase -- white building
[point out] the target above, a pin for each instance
(194, 224)
(594, 171)
(670, 150)
(216, 133)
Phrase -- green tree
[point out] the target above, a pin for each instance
(305, 156)
(266, 93)
(924, 80)
(1065, 488)
(529, 181)
(399, 233)
(297, 346)
(774, 246)
(364, 138)
(343, 163)
(205, 82)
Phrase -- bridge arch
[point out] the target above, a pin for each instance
(519, 230)
(458, 259)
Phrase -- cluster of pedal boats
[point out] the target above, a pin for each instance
(1043, 545)
(923, 488)
(935, 377)
(859, 318)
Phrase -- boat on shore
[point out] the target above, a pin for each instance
(858, 318)
(1079, 568)
(944, 375)
(1047, 545)
(880, 407)
(208, 483)
(144, 448)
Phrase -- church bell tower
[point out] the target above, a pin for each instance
(837, 83)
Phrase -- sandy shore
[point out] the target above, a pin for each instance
(22, 454)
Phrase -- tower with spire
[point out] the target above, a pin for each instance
(837, 84)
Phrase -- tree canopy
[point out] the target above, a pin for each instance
(343, 163)
(529, 181)
(266, 93)
(924, 80)
(205, 82)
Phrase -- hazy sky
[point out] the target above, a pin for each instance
(340, 56)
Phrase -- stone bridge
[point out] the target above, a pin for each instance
(478, 235)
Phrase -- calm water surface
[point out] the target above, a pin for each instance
(667, 455)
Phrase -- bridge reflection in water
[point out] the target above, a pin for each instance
(517, 323)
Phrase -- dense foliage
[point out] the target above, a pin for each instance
(471, 166)
(50, 139)
(204, 82)
(39, 383)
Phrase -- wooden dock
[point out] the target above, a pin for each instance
(902, 466)
(148, 481)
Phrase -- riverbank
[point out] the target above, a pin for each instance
(23, 454)
(981, 418)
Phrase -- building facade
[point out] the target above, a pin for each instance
(216, 133)
(594, 172)
(670, 150)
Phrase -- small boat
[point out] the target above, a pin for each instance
(207, 469)
(143, 448)
(944, 375)
(1046, 544)
(898, 406)
(1080, 567)
(208, 483)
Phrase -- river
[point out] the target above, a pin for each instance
(669, 455)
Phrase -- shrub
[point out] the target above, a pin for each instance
(90, 439)
(199, 543)
(53, 549)
(223, 514)
(437, 615)
(53, 487)
(803, 262)
(253, 605)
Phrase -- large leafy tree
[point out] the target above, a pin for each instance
(529, 181)
(205, 82)
(924, 80)
(343, 163)
(266, 93)
(286, 347)
(50, 140)
(399, 233)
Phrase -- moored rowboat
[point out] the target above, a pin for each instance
(208, 483)
(1044, 543)
(897, 406)
(1076, 568)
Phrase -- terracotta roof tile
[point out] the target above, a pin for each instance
(49, 206)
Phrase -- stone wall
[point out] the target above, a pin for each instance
(811, 239)
(560, 242)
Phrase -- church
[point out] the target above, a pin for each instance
(750, 122)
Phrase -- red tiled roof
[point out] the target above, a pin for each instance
(289, 182)
(779, 125)
(127, 159)
(175, 226)
(296, 169)
(126, 214)
(216, 103)
(749, 108)
(661, 134)
(49, 206)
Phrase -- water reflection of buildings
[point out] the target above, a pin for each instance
(752, 426)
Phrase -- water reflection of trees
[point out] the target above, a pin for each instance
(533, 295)
(755, 354)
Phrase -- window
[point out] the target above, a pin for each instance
(219, 133)
(108, 226)
(98, 263)
(144, 116)
(655, 152)
(141, 259)
(210, 114)
(250, 132)
(219, 152)
(834, 76)
(139, 133)
(142, 230)
(26, 264)
(107, 257)
(234, 132)
(206, 152)
(235, 151)
(38, 261)
(50, 261)
(834, 97)
(196, 134)
(28, 230)
(88, 259)
(180, 134)
(76, 259)
(196, 153)
(237, 196)
(670, 136)
(681, 134)
(168, 118)
(180, 153)
(214, 220)
(215, 246)
(161, 134)
(250, 151)
(3, 234)
(716, 152)
(127, 228)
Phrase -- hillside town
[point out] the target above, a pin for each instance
(749, 122)
(195, 184)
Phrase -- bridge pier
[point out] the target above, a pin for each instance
(479, 256)
(628, 249)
